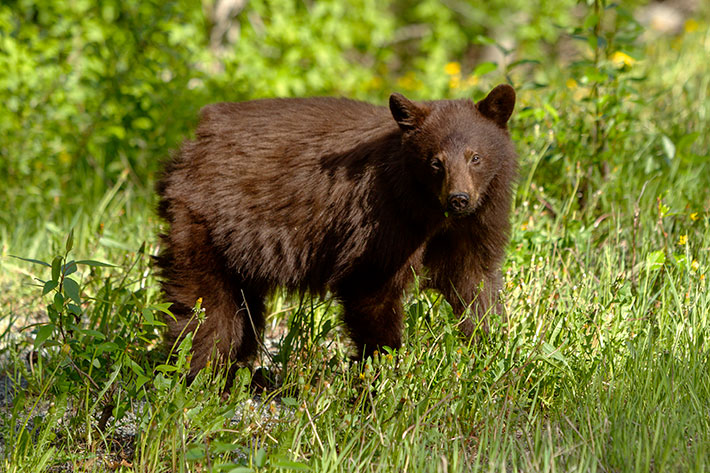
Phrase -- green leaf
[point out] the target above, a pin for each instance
(107, 347)
(116, 370)
(591, 21)
(260, 458)
(142, 123)
(74, 309)
(163, 307)
(69, 268)
(49, 286)
(135, 367)
(289, 402)
(93, 333)
(148, 316)
(655, 260)
(286, 464)
(44, 332)
(668, 147)
(521, 62)
(241, 469)
(553, 352)
(70, 240)
(149, 319)
(221, 447)
(483, 40)
(686, 141)
(141, 380)
(58, 301)
(89, 262)
(56, 267)
(71, 290)
(165, 368)
(33, 261)
(195, 453)
(484, 68)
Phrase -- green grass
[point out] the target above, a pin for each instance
(602, 364)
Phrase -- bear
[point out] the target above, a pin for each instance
(332, 195)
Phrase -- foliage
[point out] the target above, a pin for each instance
(602, 363)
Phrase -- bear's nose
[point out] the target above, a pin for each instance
(458, 201)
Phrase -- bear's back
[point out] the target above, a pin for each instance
(291, 189)
(319, 123)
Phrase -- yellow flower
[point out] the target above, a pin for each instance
(408, 81)
(375, 83)
(695, 265)
(64, 157)
(452, 68)
(571, 83)
(683, 239)
(622, 59)
(454, 82)
(690, 26)
(470, 81)
(694, 216)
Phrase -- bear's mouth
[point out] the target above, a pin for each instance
(451, 213)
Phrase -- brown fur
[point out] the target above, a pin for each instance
(332, 194)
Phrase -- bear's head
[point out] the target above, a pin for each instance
(459, 151)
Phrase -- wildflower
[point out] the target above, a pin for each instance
(453, 68)
(691, 25)
(571, 83)
(622, 59)
(408, 81)
(695, 265)
(470, 81)
(683, 239)
(694, 216)
(455, 82)
(375, 83)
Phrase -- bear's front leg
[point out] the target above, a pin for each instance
(374, 321)
(463, 263)
(474, 299)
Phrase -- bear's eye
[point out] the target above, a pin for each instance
(474, 158)
(436, 164)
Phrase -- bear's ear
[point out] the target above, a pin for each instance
(406, 113)
(498, 104)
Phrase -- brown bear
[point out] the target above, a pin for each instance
(331, 194)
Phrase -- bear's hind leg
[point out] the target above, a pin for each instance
(192, 269)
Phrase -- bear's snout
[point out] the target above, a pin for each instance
(458, 201)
